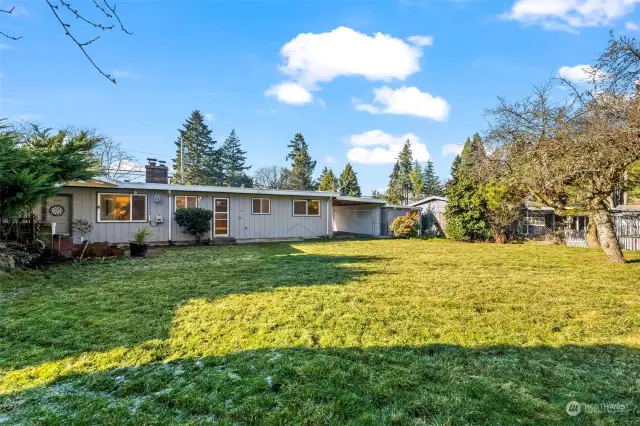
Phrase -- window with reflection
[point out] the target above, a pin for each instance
(122, 207)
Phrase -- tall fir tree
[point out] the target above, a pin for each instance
(400, 185)
(198, 150)
(234, 162)
(417, 182)
(302, 166)
(349, 182)
(213, 167)
(328, 181)
(432, 184)
(466, 210)
(393, 195)
(405, 160)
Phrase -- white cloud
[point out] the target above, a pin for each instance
(330, 159)
(452, 149)
(569, 14)
(4, 47)
(123, 74)
(580, 73)
(312, 58)
(421, 41)
(378, 147)
(208, 117)
(407, 101)
(126, 166)
(290, 93)
(631, 26)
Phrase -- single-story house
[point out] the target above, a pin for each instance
(117, 209)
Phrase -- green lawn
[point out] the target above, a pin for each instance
(344, 332)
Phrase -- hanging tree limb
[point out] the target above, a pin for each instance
(10, 11)
(58, 6)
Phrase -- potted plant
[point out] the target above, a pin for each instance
(139, 246)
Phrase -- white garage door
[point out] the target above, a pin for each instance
(355, 221)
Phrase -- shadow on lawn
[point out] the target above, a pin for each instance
(97, 306)
(434, 384)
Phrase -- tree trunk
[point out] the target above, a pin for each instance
(592, 234)
(607, 235)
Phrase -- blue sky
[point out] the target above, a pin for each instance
(355, 77)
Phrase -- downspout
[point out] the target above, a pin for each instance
(329, 202)
(213, 219)
(170, 219)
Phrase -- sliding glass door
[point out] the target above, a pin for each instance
(220, 217)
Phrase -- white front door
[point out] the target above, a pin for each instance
(220, 217)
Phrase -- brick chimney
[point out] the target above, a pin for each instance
(156, 173)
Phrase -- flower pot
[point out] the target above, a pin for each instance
(138, 250)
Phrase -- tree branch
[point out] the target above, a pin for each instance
(79, 16)
(113, 11)
(10, 37)
(82, 46)
(10, 11)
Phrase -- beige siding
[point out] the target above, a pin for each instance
(242, 224)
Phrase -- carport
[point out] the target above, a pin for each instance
(357, 216)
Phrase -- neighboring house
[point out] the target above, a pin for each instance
(117, 209)
(434, 221)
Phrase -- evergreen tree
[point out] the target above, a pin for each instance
(378, 195)
(405, 162)
(197, 145)
(349, 182)
(466, 210)
(393, 194)
(213, 167)
(400, 186)
(328, 181)
(234, 161)
(36, 163)
(417, 182)
(302, 166)
(432, 184)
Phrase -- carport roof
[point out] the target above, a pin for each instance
(344, 200)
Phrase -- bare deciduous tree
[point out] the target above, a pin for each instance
(114, 161)
(107, 19)
(272, 177)
(570, 155)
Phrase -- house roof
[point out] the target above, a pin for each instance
(428, 199)
(102, 182)
(534, 206)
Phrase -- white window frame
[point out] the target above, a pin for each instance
(175, 201)
(261, 199)
(214, 217)
(146, 208)
(306, 203)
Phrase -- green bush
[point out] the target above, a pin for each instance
(405, 226)
(195, 221)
